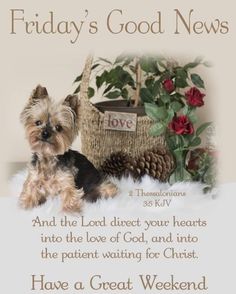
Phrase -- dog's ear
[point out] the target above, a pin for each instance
(39, 93)
(73, 102)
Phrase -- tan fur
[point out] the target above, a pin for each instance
(46, 180)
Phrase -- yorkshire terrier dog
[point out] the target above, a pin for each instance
(55, 169)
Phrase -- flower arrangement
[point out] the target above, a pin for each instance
(170, 94)
(174, 113)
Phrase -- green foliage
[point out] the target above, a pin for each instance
(197, 81)
(154, 112)
(157, 129)
(202, 128)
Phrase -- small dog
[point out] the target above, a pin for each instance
(55, 169)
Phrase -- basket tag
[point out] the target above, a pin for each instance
(120, 121)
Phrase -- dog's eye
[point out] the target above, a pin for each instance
(58, 128)
(38, 123)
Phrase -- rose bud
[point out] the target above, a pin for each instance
(181, 125)
(168, 85)
(194, 97)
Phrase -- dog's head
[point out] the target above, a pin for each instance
(50, 127)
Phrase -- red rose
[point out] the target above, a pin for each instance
(181, 125)
(168, 85)
(195, 97)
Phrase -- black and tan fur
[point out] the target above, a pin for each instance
(55, 169)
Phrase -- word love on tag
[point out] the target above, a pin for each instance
(120, 121)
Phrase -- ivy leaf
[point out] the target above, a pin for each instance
(146, 95)
(155, 112)
(113, 94)
(176, 106)
(91, 92)
(202, 128)
(195, 142)
(157, 129)
(197, 81)
(101, 79)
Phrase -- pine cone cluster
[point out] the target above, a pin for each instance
(116, 165)
(157, 163)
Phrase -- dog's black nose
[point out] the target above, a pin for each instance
(45, 134)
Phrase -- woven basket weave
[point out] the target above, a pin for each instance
(98, 143)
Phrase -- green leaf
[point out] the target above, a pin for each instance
(120, 58)
(171, 142)
(79, 78)
(202, 128)
(180, 175)
(124, 93)
(91, 92)
(113, 95)
(94, 66)
(149, 64)
(165, 98)
(176, 106)
(105, 60)
(108, 89)
(157, 129)
(185, 110)
(197, 81)
(170, 115)
(191, 65)
(156, 88)
(155, 112)
(146, 95)
(181, 78)
(101, 79)
(77, 90)
(149, 82)
(132, 68)
(192, 116)
(207, 64)
(195, 142)
(198, 59)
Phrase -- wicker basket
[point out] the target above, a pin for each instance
(98, 143)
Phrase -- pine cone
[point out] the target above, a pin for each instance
(157, 163)
(116, 164)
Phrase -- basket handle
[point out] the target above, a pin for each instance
(86, 78)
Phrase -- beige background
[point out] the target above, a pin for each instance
(54, 62)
